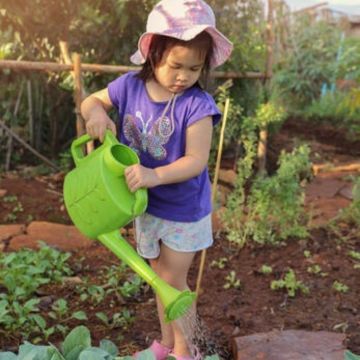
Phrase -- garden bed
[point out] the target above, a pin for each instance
(319, 262)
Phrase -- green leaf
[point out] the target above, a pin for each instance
(7, 356)
(32, 352)
(79, 315)
(93, 354)
(109, 346)
(146, 355)
(350, 356)
(76, 341)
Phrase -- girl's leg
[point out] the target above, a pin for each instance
(173, 267)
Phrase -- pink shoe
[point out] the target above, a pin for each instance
(160, 351)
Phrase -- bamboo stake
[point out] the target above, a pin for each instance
(27, 146)
(214, 191)
(100, 68)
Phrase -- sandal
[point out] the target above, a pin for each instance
(159, 350)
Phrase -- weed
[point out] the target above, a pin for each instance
(220, 264)
(266, 269)
(290, 283)
(340, 287)
(232, 281)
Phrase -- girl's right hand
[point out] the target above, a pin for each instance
(94, 110)
(96, 126)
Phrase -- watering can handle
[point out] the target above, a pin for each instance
(76, 151)
(141, 200)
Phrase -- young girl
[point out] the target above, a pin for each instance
(166, 117)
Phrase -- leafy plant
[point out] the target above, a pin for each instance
(232, 281)
(266, 269)
(76, 346)
(220, 264)
(340, 287)
(21, 274)
(117, 320)
(290, 283)
(274, 208)
(316, 270)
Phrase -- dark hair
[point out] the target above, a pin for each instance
(160, 43)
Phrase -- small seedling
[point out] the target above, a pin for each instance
(220, 264)
(354, 254)
(340, 287)
(232, 281)
(290, 284)
(266, 269)
(307, 253)
(316, 270)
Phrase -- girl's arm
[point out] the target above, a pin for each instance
(198, 143)
(94, 110)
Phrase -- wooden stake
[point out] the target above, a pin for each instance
(214, 191)
(80, 126)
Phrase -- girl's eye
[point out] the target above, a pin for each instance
(195, 69)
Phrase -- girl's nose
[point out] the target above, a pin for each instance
(182, 76)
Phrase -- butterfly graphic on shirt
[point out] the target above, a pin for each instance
(150, 137)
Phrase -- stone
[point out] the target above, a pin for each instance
(290, 344)
(62, 237)
(3, 192)
(9, 231)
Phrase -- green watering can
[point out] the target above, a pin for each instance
(99, 203)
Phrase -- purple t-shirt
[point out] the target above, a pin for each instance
(159, 139)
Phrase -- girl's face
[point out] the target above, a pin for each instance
(179, 68)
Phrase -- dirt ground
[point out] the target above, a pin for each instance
(254, 307)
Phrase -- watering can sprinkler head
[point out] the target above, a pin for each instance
(99, 203)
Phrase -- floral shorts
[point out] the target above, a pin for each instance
(178, 236)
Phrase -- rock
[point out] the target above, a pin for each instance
(290, 344)
(62, 237)
(3, 192)
(9, 231)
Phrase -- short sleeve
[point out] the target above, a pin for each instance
(202, 106)
(117, 90)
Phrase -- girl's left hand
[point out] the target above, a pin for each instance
(138, 176)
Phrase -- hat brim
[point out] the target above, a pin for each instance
(222, 46)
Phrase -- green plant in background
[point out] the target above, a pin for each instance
(335, 108)
(220, 263)
(290, 283)
(117, 320)
(21, 274)
(273, 210)
(233, 217)
(266, 269)
(340, 287)
(316, 270)
(310, 62)
(231, 281)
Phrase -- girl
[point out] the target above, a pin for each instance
(167, 118)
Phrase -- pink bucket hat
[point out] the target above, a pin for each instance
(183, 20)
